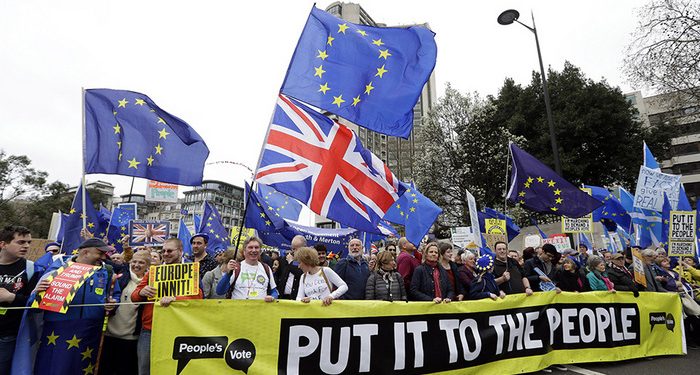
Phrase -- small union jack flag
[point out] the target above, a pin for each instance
(148, 233)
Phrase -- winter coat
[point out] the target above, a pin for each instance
(483, 286)
(355, 273)
(377, 288)
(423, 286)
(571, 282)
(623, 281)
(533, 276)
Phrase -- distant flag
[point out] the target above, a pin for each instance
(128, 134)
(534, 222)
(104, 215)
(213, 226)
(649, 159)
(260, 216)
(489, 213)
(278, 204)
(665, 221)
(371, 76)
(74, 221)
(62, 227)
(197, 219)
(415, 212)
(646, 223)
(583, 240)
(612, 208)
(184, 235)
(683, 202)
(538, 188)
(119, 225)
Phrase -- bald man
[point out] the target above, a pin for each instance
(289, 270)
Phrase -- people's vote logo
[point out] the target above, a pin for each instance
(662, 318)
(239, 355)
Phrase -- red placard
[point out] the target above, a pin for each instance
(65, 281)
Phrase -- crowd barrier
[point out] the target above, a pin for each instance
(512, 335)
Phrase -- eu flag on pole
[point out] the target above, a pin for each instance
(74, 221)
(261, 216)
(278, 204)
(128, 134)
(415, 212)
(612, 208)
(119, 225)
(538, 188)
(212, 226)
(372, 76)
(184, 235)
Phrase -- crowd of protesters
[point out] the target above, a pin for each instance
(399, 272)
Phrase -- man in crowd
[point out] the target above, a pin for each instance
(515, 255)
(69, 341)
(322, 254)
(407, 262)
(289, 270)
(199, 251)
(544, 262)
(172, 254)
(249, 279)
(582, 253)
(17, 279)
(508, 273)
(354, 270)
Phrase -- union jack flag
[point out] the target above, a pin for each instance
(148, 233)
(323, 164)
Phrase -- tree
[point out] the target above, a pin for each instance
(463, 149)
(597, 129)
(17, 179)
(665, 52)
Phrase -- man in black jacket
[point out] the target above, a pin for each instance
(290, 273)
(545, 263)
(620, 276)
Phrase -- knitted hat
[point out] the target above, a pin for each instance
(484, 263)
(52, 244)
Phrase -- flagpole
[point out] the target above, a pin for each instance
(505, 189)
(84, 136)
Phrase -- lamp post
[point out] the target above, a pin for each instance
(506, 18)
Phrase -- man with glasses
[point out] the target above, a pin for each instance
(545, 262)
(172, 254)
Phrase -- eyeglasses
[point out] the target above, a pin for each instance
(168, 251)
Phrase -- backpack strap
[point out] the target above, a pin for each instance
(269, 277)
(323, 274)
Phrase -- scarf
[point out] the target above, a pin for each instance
(436, 277)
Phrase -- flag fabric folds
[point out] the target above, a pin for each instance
(212, 226)
(128, 134)
(538, 188)
(74, 221)
(665, 221)
(534, 222)
(489, 213)
(415, 212)
(183, 233)
(372, 76)
(197, 220)
(283, 205)
(104, 216)
(119, 226)
(259, 215)
(612, 208)
(324, 165)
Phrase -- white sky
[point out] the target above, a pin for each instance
(218, 64)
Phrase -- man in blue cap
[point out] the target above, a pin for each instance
(199, 251)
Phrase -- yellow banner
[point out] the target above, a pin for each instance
(179, 279)
(513, 335)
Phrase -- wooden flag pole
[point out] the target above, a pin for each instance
(84, 136)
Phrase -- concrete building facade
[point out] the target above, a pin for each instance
(227, 198)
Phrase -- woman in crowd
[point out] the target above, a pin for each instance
(317, 282)
(119, 355)
(467, 272)
(430, 281)
(385, 283)
(156, 258)
(372, 262)
(569, 277)
(451, 268)
(597, 277)
(484, 285)
(671, 277)
(620, 276)
(211, 279)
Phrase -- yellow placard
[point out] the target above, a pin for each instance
(174, 280)
(681, 233)
(638, 265)
(514, 335)
(495, 226)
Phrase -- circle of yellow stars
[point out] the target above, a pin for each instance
(162, 134)
(74, 342)
(558, 200)
(384, 53)
(413, 199)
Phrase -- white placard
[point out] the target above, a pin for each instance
(651, 186)
(474, 218)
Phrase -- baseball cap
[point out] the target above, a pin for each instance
(96, 243)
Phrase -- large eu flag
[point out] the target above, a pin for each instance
(127, 133)
(214, 228)
(415, 212)
(372, 76)
(278, 204)
(538, 188)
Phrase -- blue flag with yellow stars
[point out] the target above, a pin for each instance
(126, 133)
(74, 222)
(372, 76)
(259, 215)
(119, 226)
(183, 233)
(489, 213)
(538, 188)
(212, 226)
(612, 207)
(278, 204)
(105, 216)
(415, 212)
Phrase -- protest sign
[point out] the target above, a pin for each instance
(651, 186)
(560, 241)
(638, 266)
(130, 209)
(157, 191)
(245, 234)
(681, 233)
(148, 232)
(461, 236)
(519, 334)
(583, 224)
(65, 281)
(174, 280)
(495, 226)
(474, 218)
(491, 240)
(532, 240)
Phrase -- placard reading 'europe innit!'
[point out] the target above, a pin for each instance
(174, 280)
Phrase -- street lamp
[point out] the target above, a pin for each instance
(506, 18)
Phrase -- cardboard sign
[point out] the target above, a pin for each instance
(157, 191)
(65, 281)
(491, 239)
(651, 186)
(462, 236)
(174, 280)
(681, 233)
(638, 264)
(148, 232)
(495, 226)
(560, 241)
(583, 224)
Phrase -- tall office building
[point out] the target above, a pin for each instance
(227, 198)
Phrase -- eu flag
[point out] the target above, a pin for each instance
(104, 216)
(74, 221)
(259, 215)
(538, 188)
(612, 208)
(665, 221)
(489, 213)
(185, 236)
(212, 226)
(278, 204)
(119, 225)
(415, 212)
(372, 76)
(128, 134)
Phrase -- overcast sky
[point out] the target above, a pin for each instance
(219, 64)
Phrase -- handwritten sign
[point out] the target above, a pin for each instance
(157, 191)
(651, 186)
(174, 280)
(681, 233)
(65, 281)
(583, 224)
(560, 241)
